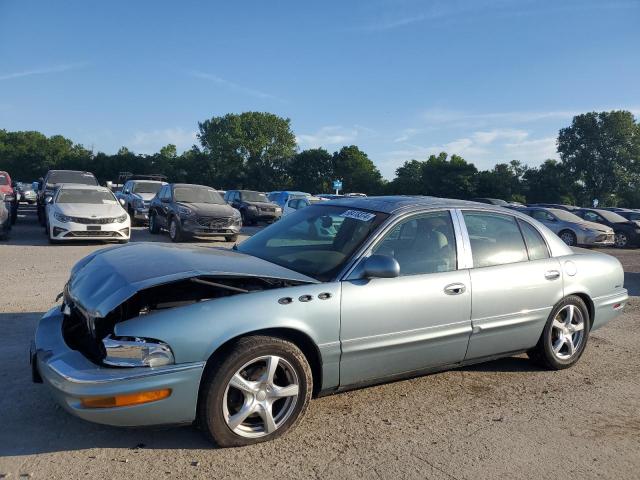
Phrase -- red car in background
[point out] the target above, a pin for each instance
(6, 189)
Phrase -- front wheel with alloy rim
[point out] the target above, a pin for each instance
(568, 237)
(565, 335)
(621, 240)
(175, 234)
(255, 393)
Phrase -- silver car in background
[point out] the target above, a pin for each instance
(337, 295)
(572, 229)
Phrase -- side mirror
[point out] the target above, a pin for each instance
(121, 200)
(381, 266)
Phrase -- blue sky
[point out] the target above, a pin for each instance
(492, 80)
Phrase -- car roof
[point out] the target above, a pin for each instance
(396, 203)
(190, 185)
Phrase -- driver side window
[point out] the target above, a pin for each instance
(422, 244)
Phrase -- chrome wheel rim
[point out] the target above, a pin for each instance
(621, 240)
(567, 238)
(173, 229)
(567, 332)
(260, 397)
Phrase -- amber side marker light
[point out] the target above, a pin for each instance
(125, 400)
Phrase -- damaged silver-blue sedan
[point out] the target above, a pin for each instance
(341, 294)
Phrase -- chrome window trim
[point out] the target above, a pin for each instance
(466, 255)
(386, 227)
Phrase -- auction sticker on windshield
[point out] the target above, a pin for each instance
(358, 215)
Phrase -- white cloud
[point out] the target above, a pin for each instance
(328, 136)
(42, 71)
(152, 141)
(232, 85)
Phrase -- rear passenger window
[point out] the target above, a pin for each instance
(424, 244)
(536, 245)
(495, 239)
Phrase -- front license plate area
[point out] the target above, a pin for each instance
(93, 227)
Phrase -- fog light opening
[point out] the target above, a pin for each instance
(125, 400)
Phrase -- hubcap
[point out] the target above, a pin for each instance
(567, 332)
(260, 396)
(621, 240)
(567, 238)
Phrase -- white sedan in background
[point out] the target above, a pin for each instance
(298, 201)
(85, 212)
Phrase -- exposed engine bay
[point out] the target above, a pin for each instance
(84, 333)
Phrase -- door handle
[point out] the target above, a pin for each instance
(455, 289)
(551, 274)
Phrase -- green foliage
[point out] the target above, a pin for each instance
(601, 150)
(357, 172)
(250, 150)
(311, 171)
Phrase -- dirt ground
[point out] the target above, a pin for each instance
(504, 419)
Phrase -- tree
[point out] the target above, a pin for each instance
(357, 172)
(602, 150)
(503, 181)
(408, 179)
(249, 150)
(448, 177)
(311, 171)
(549, 183)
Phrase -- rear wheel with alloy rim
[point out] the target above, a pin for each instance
(565, 335)
(258, 391)
(621, 240)
(568, 237)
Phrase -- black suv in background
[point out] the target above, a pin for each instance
(627, 232)
(53, 178)
(254, 206)
(187, 210)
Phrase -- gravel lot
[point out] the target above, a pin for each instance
(505, 419)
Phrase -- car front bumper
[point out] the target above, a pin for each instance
(70, 376)
(262, 216)
(70, 231)
(193, 227)
(141, 214)
(596, 239)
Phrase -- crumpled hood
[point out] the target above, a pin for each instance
(105, 279)
(87, 210)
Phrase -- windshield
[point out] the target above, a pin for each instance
(146, 187)
(94, 197)
(612, 216)
(196, 194)
(316, 241)
(566, 216)
(81, 178)
(4, 180)
(254, 197)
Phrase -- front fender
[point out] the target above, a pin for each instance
(195, 331)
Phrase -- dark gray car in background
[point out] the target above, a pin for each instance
(187, 210)
(253, 206)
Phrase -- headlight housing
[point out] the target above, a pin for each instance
(236, 213)
(61, 218)
(138, 203)
(185, 212)
(122, 218)
(136, 352)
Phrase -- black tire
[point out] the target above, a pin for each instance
(231, 238)
(211, 416)
(543, 353)
(568, 237)
(153, 224)
(14, 214)
(175, 234)
(621, 240)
